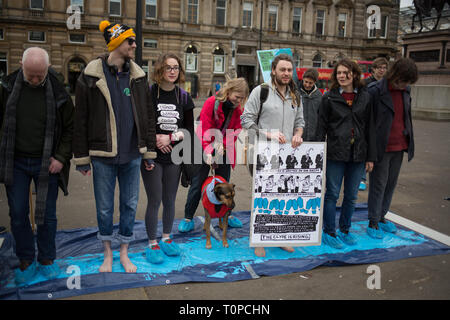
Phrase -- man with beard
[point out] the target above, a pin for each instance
(114, 132)
(280, 117)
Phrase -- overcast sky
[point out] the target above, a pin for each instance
(406, 3)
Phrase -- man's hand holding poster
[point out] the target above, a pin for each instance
(288, 189)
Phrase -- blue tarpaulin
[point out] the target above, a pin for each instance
(80, 254)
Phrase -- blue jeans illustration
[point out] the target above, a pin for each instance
(25, 170)
(351, 172)
(105, 176)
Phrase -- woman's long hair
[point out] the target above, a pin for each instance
(233, 85)
(353, 67)
(404, 69)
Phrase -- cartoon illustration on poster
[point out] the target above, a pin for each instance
(288, 189)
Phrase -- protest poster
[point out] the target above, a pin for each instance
(265, 58)
(288, 189)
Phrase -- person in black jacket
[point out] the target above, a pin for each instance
(394, 136)
(346, 120)
(114, 130)
(379, 67)
(36, 128)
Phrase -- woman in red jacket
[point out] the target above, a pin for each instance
(219, 127)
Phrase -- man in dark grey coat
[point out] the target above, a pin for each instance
(394, 135)
(311, 97)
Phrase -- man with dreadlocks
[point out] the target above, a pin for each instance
(281, 116)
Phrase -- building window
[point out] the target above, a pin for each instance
(77, 3)
(37, 4)
(342, 24)
(36, 36)
(150, 9)
(317, 61)
(115, 7)
(219, 60)
(150, 43)
(320, 22)
(191, 59)
(3, 64)
(247, 15)
(145, 67)
(2, 34)
(193, 11)
(384, 26)
(297, 20)
(297, 59)
(77, 38)
(221, 10)
(273, 17)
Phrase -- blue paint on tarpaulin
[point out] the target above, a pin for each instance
(80, 248)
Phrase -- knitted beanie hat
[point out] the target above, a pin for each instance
(115, 34)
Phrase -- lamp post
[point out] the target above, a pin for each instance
(260, 36)
(138, 56)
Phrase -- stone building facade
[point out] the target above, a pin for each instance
(214, 37)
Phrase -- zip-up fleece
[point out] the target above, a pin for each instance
(95, 131)
(276, 113)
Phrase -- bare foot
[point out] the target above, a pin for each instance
(125, 261)
(108, 258)
(288, 249)
(128, 265)
(260, 252)
(107, 264)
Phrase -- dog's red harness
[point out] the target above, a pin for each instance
(207, 204)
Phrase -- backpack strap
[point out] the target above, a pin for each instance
(262, 98)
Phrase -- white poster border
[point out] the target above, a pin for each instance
(291, 243)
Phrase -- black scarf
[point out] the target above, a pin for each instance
(7, 146)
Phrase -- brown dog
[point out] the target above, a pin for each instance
(217, 203)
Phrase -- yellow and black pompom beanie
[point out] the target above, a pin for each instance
(115, 34)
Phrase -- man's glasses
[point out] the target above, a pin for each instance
(131, 41)
(170, 69)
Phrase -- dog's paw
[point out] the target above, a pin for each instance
(208, 246)
(225, 244)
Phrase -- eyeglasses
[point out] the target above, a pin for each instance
(131, 41)
(170, 69)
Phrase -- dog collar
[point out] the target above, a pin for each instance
(210, 191)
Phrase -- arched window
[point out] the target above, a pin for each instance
(218, 60)
(317, 61)
(191, 58)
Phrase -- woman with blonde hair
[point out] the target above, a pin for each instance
(174, 113)
(221, 112)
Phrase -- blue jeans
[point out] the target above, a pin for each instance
(25, 170)
(105, 176)
(351, 172)
(195, 191)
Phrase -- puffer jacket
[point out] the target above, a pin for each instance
(336, 121)
(95, 132)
